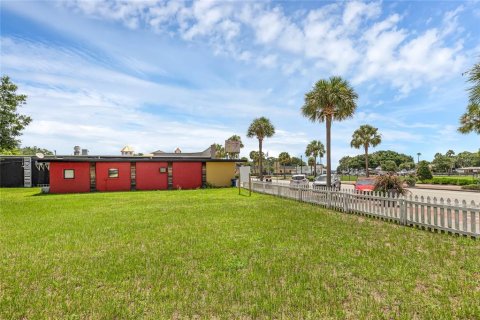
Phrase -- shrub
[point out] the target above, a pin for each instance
(423, 171)
(390, 183)
(449, 181)
(410, 180)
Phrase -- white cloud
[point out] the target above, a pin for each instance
(348, 39)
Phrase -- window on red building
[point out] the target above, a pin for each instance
(113, 173)
(68, 174)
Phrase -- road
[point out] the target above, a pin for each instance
(452, 195)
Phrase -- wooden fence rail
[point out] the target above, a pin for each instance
(425, 212)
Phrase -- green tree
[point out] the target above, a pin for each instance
(254, 157)
(11, 122)
(295, 161)
(284, 159)
(407, 165)
(329, 100)
(220, 151)
(474, 78)
(468, 159)
(389, 166)
(34, 150)
(315, 149)
(423, 171)
(260, 128)
(470, 120)
(366, 136)
(235, 155)
(441, 163)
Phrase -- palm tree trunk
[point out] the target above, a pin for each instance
(315, 167)
(284, 173)
(366, 161)
(329, 171)
(260, 158)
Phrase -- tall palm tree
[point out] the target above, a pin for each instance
(366, 136)
(315, 148)
(284, 159)
(260, 128)
(418, 156)
(474, 90)
(470, 120)
(332, 99)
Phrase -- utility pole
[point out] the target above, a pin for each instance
(301, 163)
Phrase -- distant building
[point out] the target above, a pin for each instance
(127, 151)
(469, 170)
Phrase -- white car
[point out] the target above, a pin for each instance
(321, 182)
(299, 180)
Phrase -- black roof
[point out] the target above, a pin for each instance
(131, 159)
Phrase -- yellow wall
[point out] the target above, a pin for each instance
(220, 174)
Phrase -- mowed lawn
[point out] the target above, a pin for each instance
(214, 254)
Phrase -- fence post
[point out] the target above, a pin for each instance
(299, 193)
(403, 211)
(249, 185)
(345, 203)
(329, 197)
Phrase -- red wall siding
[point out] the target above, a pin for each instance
(187, 175)
(104, 183)
(81, 182)
(149, 176)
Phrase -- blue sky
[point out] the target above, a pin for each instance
(167, 74)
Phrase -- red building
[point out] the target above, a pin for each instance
(69, 177)
(152, 175)
(187, 175)
(112, 176)
(108, 173)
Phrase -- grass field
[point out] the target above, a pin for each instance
(215, 254)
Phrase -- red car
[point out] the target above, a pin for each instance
(365, 184)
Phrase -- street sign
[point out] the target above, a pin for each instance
(232, 146)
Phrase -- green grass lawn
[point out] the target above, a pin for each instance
(215, 254)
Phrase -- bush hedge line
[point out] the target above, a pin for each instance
(451, 180)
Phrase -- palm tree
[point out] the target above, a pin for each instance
(235, 155)
(470, 120)
(261, 128)
(474, 77)
(418, 156)
(311, 162)
(284, 159)
(315, 148)
(219, 151)
(366, 136)
(332, 99)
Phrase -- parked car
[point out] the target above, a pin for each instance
(321, 182)
(299, 180)
(365, 184)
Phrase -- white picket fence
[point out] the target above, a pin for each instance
(430, 213)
